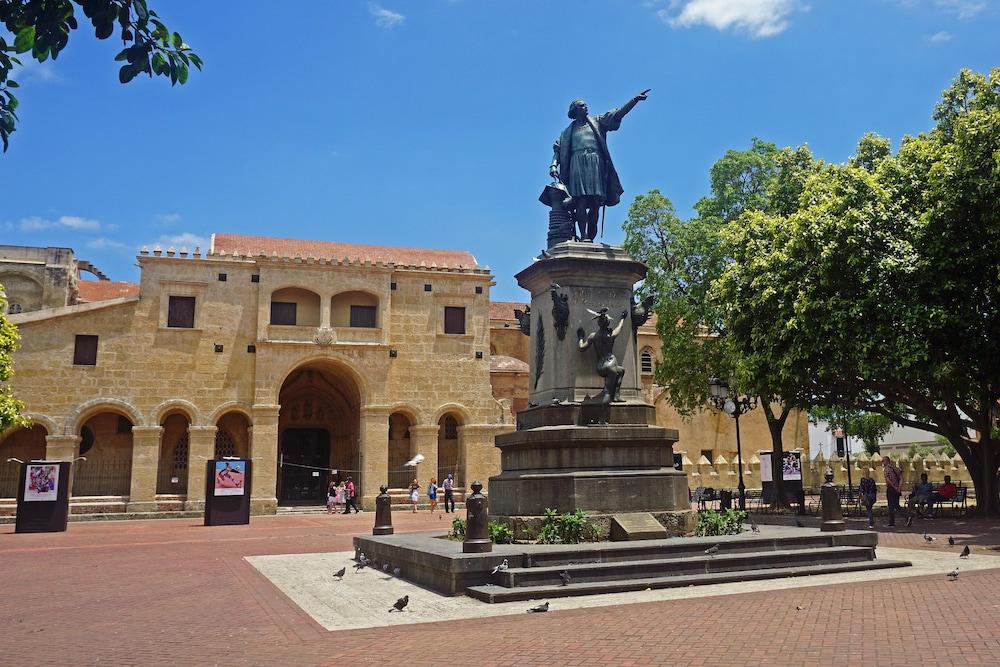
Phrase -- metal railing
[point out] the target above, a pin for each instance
(107, 477)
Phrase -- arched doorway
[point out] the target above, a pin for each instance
(399, 451)
(172, 468)
(106, 443)
(318, 429)
(448, 448)
(24, 443)
(232, 436)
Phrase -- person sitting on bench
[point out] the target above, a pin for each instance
(944, 493)
(921, 494)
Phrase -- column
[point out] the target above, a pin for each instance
(325, 304)
(478, 457)
(61, 447)
(201, 448)
(374, 453)
(264, 453)
(424, 440)
(145, 461)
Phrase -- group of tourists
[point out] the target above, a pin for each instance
(342, 495)
(923, 494)
(433, 490)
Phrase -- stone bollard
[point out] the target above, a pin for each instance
(383, 512)
(833, 518)
(477, 530)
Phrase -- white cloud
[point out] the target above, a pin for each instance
(34, 71)
(758, 18)
(940, 37)
(36, 224)
(963, 9)
(106, 243)
(168, 218)
(385, 18)
(187, 240)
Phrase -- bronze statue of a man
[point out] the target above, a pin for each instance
(603, 341)
(580, 159)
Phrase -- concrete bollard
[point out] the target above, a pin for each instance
(383, 512)
(833, 517)
(477, 530)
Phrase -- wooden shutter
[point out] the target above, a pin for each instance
(180, 312)
(283, 312)
(85, 351)
(454, 320)
(363, 316)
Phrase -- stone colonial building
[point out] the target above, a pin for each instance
(308, 357)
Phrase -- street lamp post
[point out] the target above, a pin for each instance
(734, 406)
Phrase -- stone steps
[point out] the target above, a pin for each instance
(500, 594)
(646, 568)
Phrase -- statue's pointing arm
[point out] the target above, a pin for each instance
(612, 120)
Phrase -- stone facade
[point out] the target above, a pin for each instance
(194, 366)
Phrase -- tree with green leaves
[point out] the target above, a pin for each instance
(10, 407)
(882, 291)
(685, 258)
(41, 28)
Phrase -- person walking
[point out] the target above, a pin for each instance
(449, 493)
(432, 493)
(869, 491)
(350, 497)
(414, 494)
(893, 491)
(331, 497)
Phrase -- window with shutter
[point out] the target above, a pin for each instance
(454, 320)
(363, 316)
(646, 360)
(85, 351)
(180, 312)
(283, 312)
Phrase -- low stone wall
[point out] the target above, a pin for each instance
(677, 523)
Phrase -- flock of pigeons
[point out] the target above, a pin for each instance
(966, 552)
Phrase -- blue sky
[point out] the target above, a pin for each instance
(430, 122)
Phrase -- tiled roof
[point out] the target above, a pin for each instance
(266, 245)
(504, 310)
(503, 364)
(102, 290)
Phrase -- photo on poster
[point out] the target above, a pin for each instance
(41, 483)
(791, 466)
(229, 477)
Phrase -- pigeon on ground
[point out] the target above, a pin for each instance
(502, 567)
(396, 571)
(799, 607)
(951, 541)
(340, 573)
(753, 526)
(362, 563)
(711, 551)
(953, 575)
(540, 608)
(929, 538)
(385, 567)
(966, 552)
(400, 603)
(564, 575)
(799, 524)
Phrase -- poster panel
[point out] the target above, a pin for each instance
(41, 483)
(791, 466)
(230, 478)
(765, 467)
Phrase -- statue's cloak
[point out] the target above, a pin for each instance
(600, 125)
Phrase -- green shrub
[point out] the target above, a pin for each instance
(569, 528)
(724, 522)
(500, 533)
(457, 529)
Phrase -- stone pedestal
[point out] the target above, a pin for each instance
(569, 453)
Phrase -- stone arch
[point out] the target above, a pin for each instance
(309, 304)
(413, 414)
(187, 408)
(27, 291)
(399, 449)
(175, 449)
(337, 364)
(87, 409)
(460, 411)
(38, 419)
(232, 433)
(24, 443)
(449, 419)
(229, 406)
(341, 302)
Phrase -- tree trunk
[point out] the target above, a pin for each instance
(776, 424)
(982, 461)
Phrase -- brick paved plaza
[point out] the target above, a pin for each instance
(173, 592)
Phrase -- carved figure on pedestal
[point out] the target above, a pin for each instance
(523, 320)
(582, 163)
(603, 341)
(641, 312)
(560, 311)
